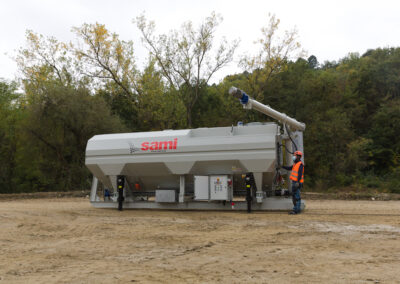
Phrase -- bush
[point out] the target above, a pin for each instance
(371, 181)
(393, 181)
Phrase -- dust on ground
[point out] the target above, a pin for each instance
(68, 241)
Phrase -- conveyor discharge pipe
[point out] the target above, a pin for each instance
(250, 103)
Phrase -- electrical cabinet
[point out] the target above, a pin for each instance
(220, 187)
(201, 188)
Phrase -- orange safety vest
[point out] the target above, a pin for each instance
(295, 172)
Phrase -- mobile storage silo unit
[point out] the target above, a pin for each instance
(221, 168)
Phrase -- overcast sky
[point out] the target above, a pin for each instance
(327, 29)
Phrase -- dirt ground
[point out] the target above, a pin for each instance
(67, 241)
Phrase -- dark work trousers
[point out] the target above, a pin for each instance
(296, 198)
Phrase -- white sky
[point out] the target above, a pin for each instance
(327, 29)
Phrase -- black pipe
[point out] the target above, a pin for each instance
(249, 185)
(120, 188)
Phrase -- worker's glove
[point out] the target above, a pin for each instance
(296, 184)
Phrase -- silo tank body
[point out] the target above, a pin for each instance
(157, 159)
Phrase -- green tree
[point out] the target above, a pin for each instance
(313, 62)
(58, 123)
(45, 60)
(384, 132)
(109, 63)
(159, 107)
(103, 57)
(378, 82)
(274, 54)
(186, 58)
(10, 115)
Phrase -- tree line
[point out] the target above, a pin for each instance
(68, 92)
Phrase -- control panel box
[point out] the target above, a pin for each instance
(201, 188)
(220, 187)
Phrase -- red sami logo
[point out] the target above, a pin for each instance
(161, 145)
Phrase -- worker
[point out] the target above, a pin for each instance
(297, 178)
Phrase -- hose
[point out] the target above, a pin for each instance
(286, 149)
(290, 137)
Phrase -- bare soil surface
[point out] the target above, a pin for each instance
(67, 241)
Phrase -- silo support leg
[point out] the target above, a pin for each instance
(93, 191)
(258, 181)
(182, 189)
